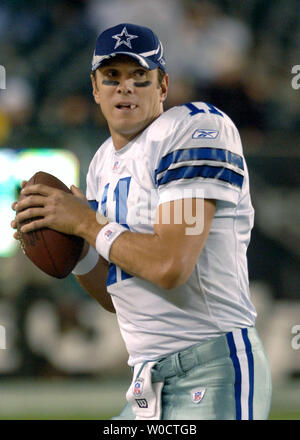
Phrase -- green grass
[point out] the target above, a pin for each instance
(100, 400)
(65, 416)
(284, 415)
(275, 415)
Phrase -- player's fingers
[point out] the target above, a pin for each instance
(39, 188)
(33, 226)
(29, 214)
(32, 200)
(13, 224)
(13, 205)
(77, 192)
(23, 183)
(16, 236)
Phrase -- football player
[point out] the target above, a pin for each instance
(166, 233)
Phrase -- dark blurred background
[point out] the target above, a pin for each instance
(236, 55)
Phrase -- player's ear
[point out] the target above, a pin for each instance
(95, 88)
(164, 87)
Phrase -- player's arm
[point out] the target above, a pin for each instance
(167, 257)
(94, 281)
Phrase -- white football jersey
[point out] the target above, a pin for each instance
(192, 150)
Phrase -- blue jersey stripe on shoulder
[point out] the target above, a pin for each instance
(204, 171)
(215, 154)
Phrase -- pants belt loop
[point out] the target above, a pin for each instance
(176, 365)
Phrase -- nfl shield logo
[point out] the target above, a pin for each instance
(116, 165)
(107, 234)
(138, 387)
(197, 395)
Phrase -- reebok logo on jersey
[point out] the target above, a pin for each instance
(205, 134)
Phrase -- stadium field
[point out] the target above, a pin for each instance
(100, 400)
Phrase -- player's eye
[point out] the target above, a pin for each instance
(140, 74)
(111, 73)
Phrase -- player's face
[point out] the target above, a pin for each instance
(130, 98)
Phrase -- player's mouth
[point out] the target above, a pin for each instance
(126, 107)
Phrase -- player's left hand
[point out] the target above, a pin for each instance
(57, 209)
(13, 224)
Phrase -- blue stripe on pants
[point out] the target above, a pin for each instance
(251, 370)
(238, 375)
(243, 363)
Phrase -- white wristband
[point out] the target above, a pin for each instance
(87, 263)
(107, 236)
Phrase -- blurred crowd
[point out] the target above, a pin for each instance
(236, 55)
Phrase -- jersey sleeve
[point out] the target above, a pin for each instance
(203, 159)
(91, 185)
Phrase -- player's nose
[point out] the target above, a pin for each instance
(125, 86)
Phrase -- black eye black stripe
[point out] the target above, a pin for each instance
(143, 84)
(110, 82)
(116, 83)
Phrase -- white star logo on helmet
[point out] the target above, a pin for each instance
(124, 38)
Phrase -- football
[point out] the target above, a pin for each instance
(53, 252)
